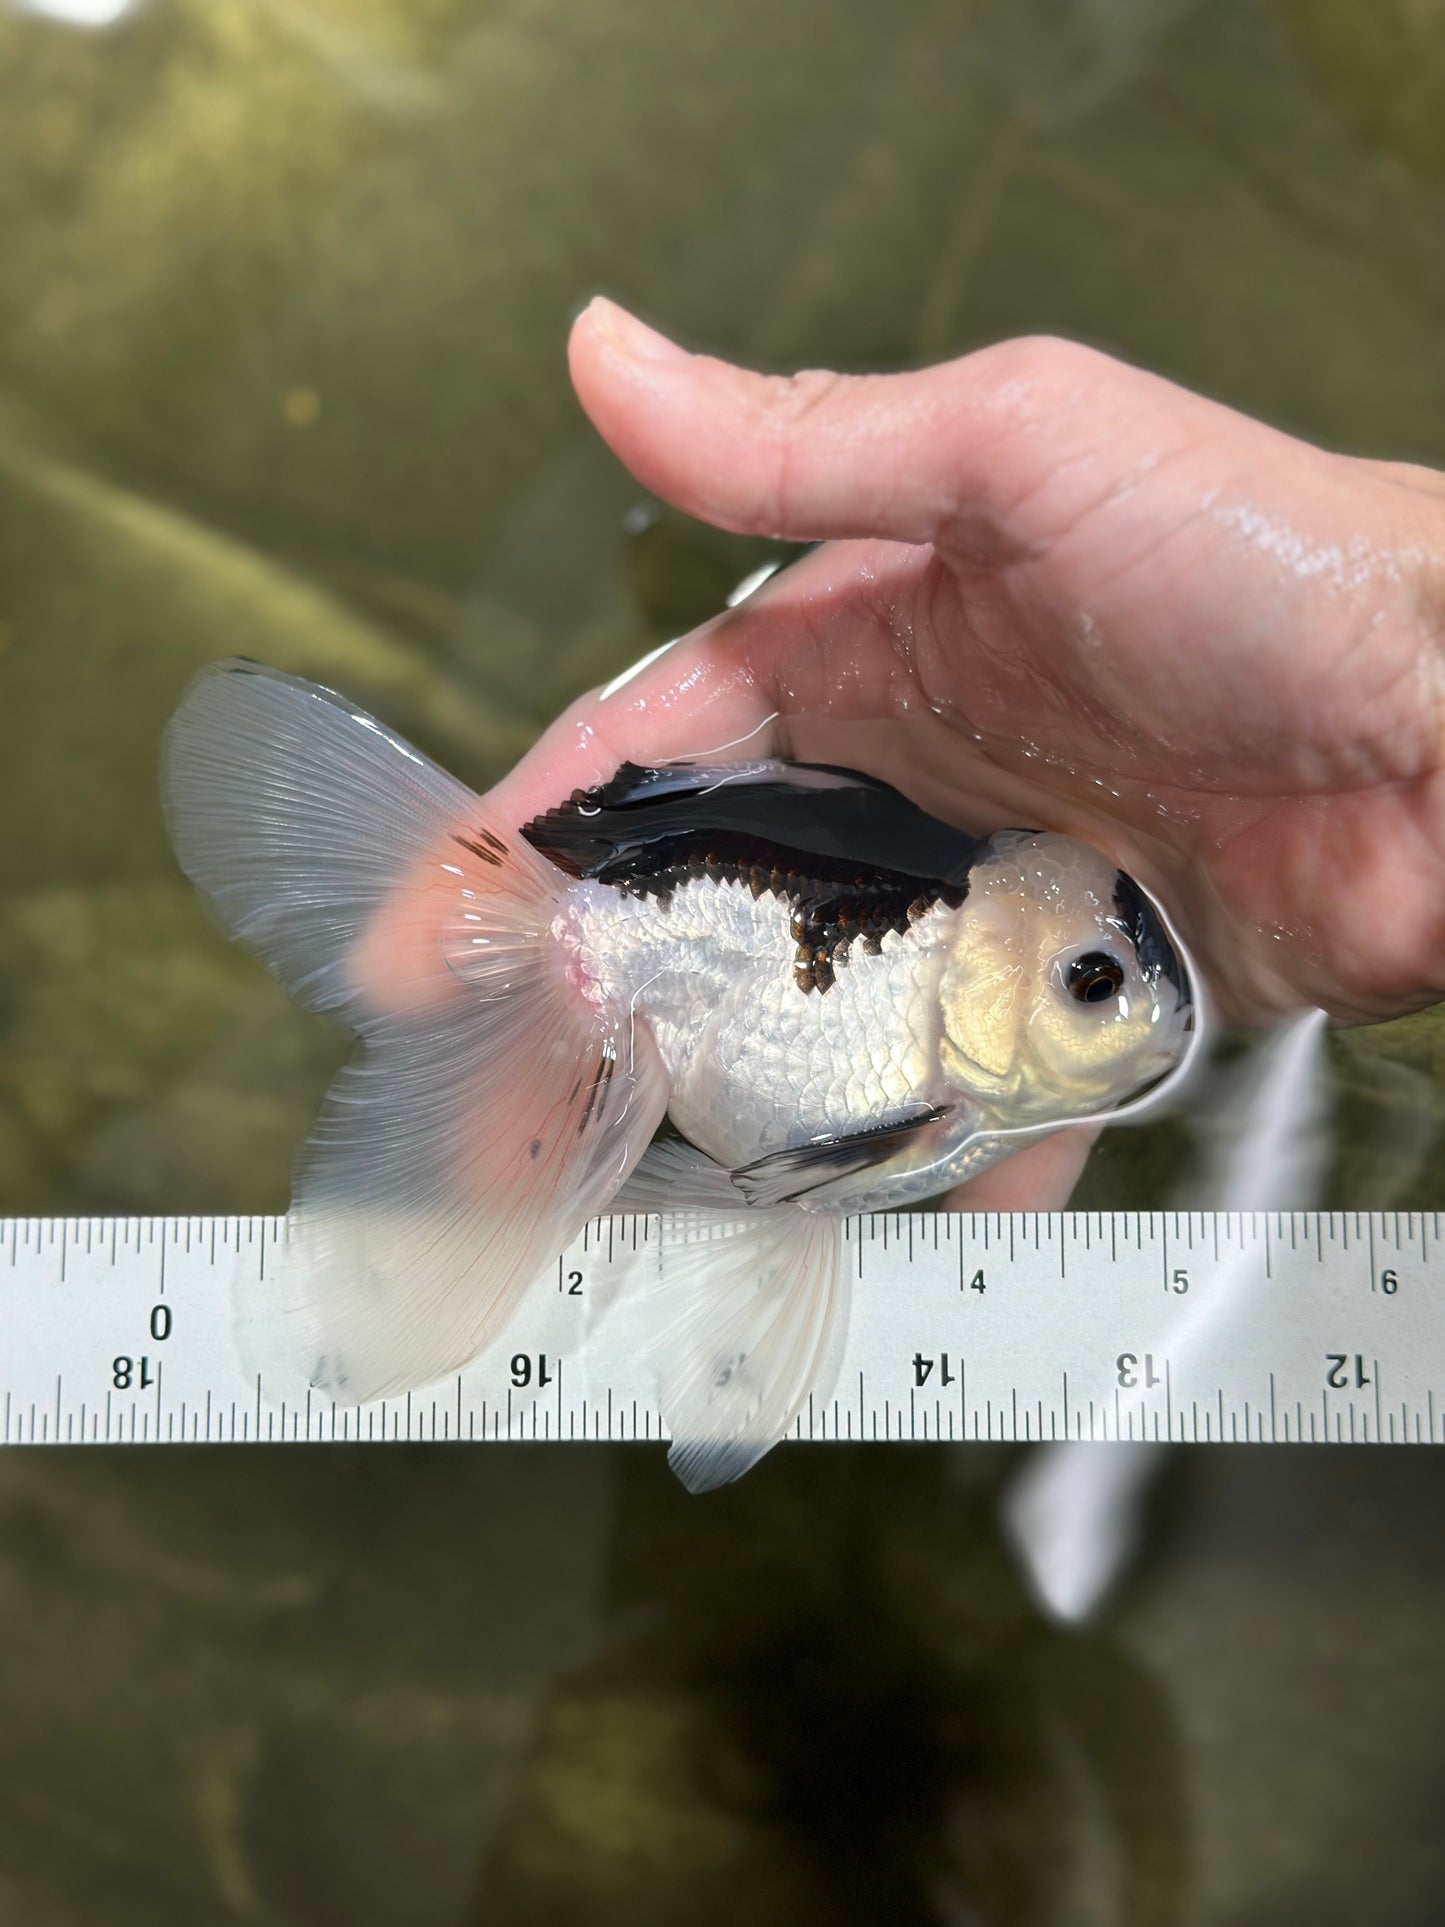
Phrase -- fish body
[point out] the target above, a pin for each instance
(754, 1066)
(840, 1002)
(829, 973)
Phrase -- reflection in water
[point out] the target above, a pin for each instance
(1074, 1511)
(840, 1706)
(1264, 1124)
(1073, 1515)
(80, 13)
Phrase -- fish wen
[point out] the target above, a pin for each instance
(841, 1003)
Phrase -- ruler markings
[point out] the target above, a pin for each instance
(1293, 1305)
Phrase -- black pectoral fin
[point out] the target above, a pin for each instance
(784, 1176)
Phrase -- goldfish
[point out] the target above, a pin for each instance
(762, 994)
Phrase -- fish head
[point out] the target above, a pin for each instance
(1063, 994)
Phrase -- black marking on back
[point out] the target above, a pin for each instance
(1140, 922)
(853, 857)
(783, 1176)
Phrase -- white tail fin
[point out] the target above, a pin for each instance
(747, 1320)
(491, 1109)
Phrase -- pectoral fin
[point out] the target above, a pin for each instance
(784, 1176)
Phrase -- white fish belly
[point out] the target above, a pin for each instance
(756, 1064)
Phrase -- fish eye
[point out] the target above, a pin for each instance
(1095, 978)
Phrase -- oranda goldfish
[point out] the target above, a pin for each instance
(840, 1002)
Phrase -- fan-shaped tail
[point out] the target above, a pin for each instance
(491, 1108)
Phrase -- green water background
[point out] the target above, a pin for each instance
(284, 288)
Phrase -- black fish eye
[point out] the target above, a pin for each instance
(1096, 978)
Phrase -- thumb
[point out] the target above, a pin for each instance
(949, 455)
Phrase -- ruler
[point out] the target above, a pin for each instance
(1197, 1328)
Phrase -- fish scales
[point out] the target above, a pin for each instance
(757, 1064)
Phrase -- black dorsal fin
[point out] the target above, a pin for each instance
(853, 857)
(829, 822)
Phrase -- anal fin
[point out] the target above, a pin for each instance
(746, 1317)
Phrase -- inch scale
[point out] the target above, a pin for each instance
(1192, 1327)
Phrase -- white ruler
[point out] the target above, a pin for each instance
(1315, 1327)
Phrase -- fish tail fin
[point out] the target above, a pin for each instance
(748, 1315)
(491, 1108)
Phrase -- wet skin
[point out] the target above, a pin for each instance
(1059, 590)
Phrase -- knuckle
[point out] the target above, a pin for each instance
(1030, 370)
(791, 405)
(790, 399)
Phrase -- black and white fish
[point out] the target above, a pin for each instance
(841, 1003)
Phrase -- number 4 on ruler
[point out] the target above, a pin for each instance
(922, 1367)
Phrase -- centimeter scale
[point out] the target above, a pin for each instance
(1193, 1327)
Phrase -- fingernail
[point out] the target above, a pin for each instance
(632, 336)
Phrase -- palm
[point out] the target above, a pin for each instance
(1232, 647)
(1098, 602)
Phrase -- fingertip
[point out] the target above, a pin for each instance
(656, 405)
(620, 370)
(605, 327)
(590, 326)
(585, 341)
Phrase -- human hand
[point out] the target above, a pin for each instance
(1069, 594)
(1138, 608)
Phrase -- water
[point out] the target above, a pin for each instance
(283, 292)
